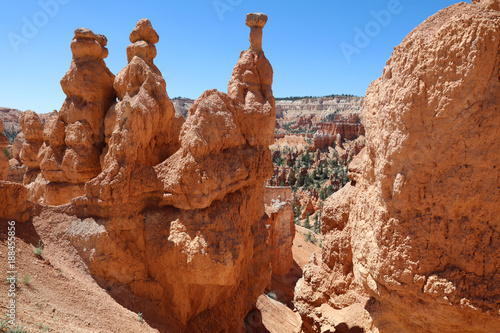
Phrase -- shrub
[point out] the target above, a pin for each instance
(27, 279)
(38, 251)
(272, 295)
(7, 153)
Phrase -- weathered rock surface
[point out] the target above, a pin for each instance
(349, 128)
(17, 170)
(74, 139)
(178, 212)
(282, 228)
(418, 228)
(282, 176)
(250, 89)
(4, 160)
(14, 204)
(17, 146)
(308, 200)
(321, 140)
(287, 109)
(140, 130)
(32, 127)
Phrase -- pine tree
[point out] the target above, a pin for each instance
(317, 224)
(307, 223)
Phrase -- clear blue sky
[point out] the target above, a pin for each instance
(200, 42)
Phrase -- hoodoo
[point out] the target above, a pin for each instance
(178, 209)
(74, 139)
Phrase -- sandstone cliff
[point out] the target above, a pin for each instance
(417, 229)
(288, 108)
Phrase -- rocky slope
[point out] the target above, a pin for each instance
(182, 105)
(417, 229)
(10, 119)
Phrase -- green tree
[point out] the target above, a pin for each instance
(317, 224)
(307, 223)
(297, 210)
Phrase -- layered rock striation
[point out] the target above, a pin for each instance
(417, 229)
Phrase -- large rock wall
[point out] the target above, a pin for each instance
(418, 228)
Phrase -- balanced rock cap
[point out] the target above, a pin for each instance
(256, 20)
(144, 31)
(87, 33)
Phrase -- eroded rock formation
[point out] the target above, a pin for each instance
(17, 170)
(282, 176)
(418, 229)
(322, 140)
(140, 130)
(32, 127)
(181, 219)
(74, 139)
(17, 146)
(14, 203)
(250, 88)
(281, 227)
(4, 160)
(349, 128)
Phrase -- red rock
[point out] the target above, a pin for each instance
(347, 129)
(282, 176)
(14, 205)
(417, 228)
(32, 127)
(282, 230)
(4, 160)
(165, 200)
(16, 171)
(18, 145)
(138, 130)
(74, 138)
(250, 88)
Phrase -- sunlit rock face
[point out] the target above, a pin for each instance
(418, 229)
